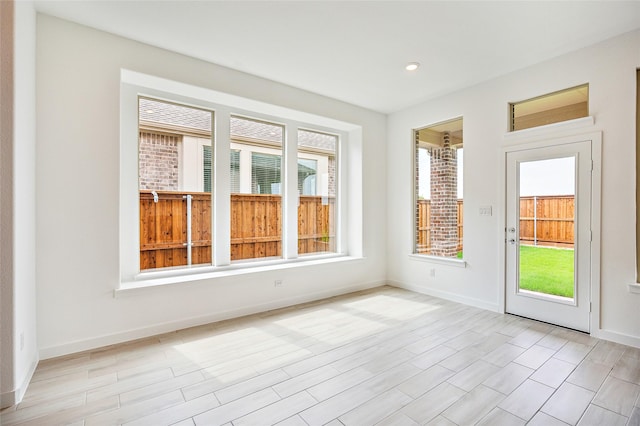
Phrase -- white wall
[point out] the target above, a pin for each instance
(78, 75)
(7, 397)
(25, 338)
(22, 304)
(609, 68)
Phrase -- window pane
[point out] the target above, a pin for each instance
(256, 188)
(438, 189)
(317, 178)
(551, 108)
(175, 169)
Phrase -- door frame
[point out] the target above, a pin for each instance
(525, 140)
(574, 312)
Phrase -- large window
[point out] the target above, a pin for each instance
(438, 182)
(182, 175)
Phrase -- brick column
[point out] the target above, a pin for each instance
(444, 200)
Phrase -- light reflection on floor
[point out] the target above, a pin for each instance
(234, 350)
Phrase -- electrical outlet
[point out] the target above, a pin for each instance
(277, 283)
(432, 272)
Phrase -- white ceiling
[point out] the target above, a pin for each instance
(355, 51)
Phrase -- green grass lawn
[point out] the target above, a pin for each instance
(547, 270)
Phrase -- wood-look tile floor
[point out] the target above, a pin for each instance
(380, 357)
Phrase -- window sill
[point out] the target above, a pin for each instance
(634, 288)
(157, 279)
(458, 263)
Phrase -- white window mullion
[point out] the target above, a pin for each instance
(221, 243)
(350, 227)
(341, 196)
(129, 195)
(290, 194)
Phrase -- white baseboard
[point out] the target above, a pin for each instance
(167, 327)
(613, 336)
(7, 399)
(454, 297)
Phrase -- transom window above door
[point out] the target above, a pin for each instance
(550, 108)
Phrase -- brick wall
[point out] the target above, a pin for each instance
(332, 176)
(444, 202)
(158, 161)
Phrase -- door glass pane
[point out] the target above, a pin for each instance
(547, 227)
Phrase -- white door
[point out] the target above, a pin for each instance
(548, 234)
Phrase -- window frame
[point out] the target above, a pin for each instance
(135, 85)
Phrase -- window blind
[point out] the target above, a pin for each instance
(206, 167)
(235, 171)
(265, 173)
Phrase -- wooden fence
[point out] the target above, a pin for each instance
(256, 227)
(553, 217)
(163, 229)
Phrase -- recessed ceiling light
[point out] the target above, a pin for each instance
(412, 66)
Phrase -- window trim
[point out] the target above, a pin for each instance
(460, 263)
(223, 105)
(210, 272)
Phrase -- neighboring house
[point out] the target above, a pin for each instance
(175, 153)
